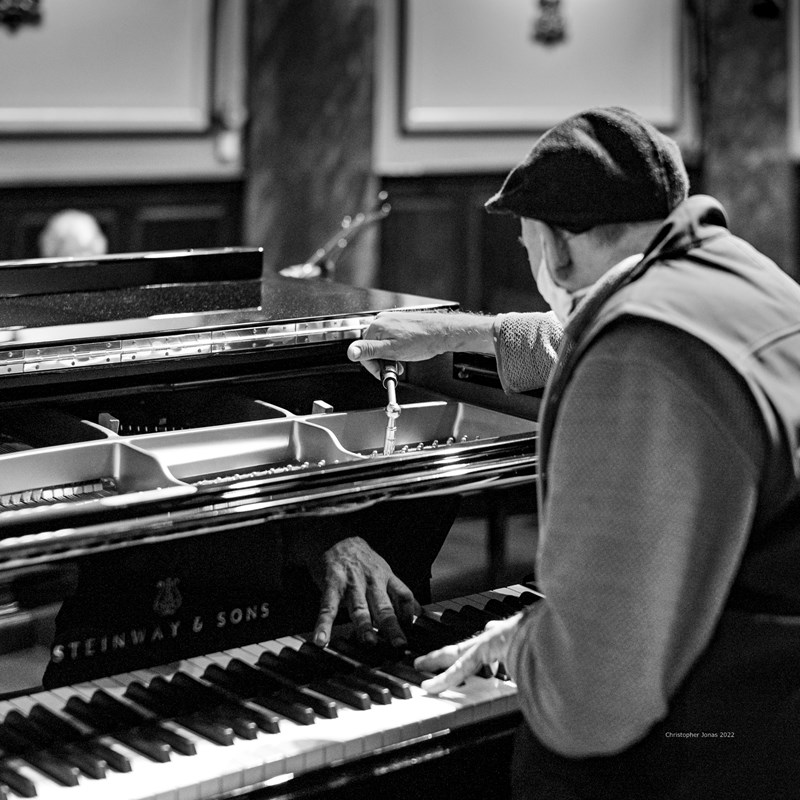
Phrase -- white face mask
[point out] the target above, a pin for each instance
(564, 302)
(557, 297)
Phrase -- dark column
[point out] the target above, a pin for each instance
(310, 133)
(746, 158)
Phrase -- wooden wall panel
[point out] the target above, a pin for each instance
(440, 242)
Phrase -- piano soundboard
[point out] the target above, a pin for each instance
(250, 718)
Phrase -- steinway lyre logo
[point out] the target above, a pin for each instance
(168, 600)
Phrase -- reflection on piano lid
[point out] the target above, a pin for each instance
(263, 717)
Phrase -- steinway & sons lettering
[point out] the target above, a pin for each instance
(153, 634)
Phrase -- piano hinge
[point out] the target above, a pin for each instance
(290, 334)
(45, 359)
(179, 345)
(11, 361)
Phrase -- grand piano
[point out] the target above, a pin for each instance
(181, 435)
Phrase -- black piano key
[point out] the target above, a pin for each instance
(376, 693)
(117, 761)
(85, 761)
(14, 744)
(172, 739)
(230, 716)
(100, 722)
(308, 664)
(13, 741)
(283, 667)
(56, 725)
(497, 607)
(293, 666)
(488, 611)
(373, 655)
(15, 780)
(221, 677)
(512, 602)
(265, 721)
(198, 722)
(462, 628)
(290, 703)
(407, 673)
(150, 699)
(309, 668)
(282, 703)
(323, 706)
(397, 688)
(434, 634)
(332, 687)
(211, 729)
(67, 732)
(136, 739)
(485, 671)
(279, 666)
(123, 714)
(529, 598)
(345, 673)
(287, 665)
(127, 715)
(300, 713)
(468, 615)
(208, 709)
(173, 701)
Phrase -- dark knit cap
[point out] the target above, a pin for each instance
(601, 166)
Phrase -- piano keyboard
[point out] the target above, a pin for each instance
(246, 718)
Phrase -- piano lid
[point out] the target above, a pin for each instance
(62, 314)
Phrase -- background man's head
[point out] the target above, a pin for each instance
(72, 233)
(599, 167)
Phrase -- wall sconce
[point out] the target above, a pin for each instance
(14, 13)
(549, 27)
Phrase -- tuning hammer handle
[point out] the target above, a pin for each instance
(389, 372)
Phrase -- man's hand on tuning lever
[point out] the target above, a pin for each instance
(353, 573)
(420, 335)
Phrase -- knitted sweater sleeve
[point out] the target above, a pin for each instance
(526, 345)
(653, 482)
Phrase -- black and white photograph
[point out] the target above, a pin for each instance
(400, 399)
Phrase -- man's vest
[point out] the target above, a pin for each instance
(733, 727)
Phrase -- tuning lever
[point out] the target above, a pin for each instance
(389, 372)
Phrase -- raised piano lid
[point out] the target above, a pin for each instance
(78, 328)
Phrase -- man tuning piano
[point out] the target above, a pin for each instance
(664, 661)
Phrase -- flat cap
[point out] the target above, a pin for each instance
(601, 166)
